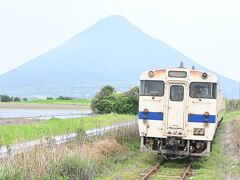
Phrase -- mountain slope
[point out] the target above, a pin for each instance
(112, 51)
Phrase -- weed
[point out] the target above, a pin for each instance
(10, 173)
(73, 167)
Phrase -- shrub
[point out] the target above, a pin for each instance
(64, 98)
(25, 99)
(73, 167)
(16, 99)
(107, 101)
(104, 100)
(49, 98)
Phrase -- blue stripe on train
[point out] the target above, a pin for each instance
(198, 118)
(151, 116)
(201, 119)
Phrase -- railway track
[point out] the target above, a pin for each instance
(181, 174)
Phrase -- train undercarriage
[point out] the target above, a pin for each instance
(176, 148)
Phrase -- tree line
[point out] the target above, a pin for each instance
(6, 98)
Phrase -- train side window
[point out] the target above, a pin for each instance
(151, 88)
(176, 93)
(203, 90)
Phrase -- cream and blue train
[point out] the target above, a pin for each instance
(179, 111)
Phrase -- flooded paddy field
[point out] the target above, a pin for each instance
(27, 113)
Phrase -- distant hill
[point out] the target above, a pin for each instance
(112, 51)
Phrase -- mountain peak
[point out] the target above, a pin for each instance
(114, 19)
(112, 23)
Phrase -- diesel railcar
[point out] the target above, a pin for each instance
(179, 111)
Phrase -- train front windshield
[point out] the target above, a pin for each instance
(203, 90)
(152, 88)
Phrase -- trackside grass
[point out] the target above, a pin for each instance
(218, 165)
(11, 134)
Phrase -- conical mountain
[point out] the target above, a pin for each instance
(112, 51)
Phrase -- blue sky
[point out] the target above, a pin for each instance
(207, 31)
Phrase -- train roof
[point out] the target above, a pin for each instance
(186, 74)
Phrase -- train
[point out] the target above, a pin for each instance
(179, 111)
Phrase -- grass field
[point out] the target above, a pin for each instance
(72, 102)
(79, 159)
(11, 134)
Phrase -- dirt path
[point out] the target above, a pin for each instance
(18, 121)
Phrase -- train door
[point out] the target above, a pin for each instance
(175, 109)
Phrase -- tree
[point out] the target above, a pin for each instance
(25, 99)
(107, 101)
(6, 98)
(127, 102)
(49, 98)
(103, 102)
(16, 99)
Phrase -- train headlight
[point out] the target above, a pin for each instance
(204, 75)
(199, 131)
(206, 116)
(151, 74)
(145, 111)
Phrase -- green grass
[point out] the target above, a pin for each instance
(17, 133)
(215, 166)
(73, 160)
(72, 102)
(131, 168)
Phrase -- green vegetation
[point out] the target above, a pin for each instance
(73, 167)
(131, 168)
(9, 172)
(80, 159)
(232, 105)
(214, 167)
(60, 101)
(107, 101)
(48, 100)
(17, 133)
(56, 101)
(5, 98)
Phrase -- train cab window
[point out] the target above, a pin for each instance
(152, 88)
(176, 93)
(203, 90)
